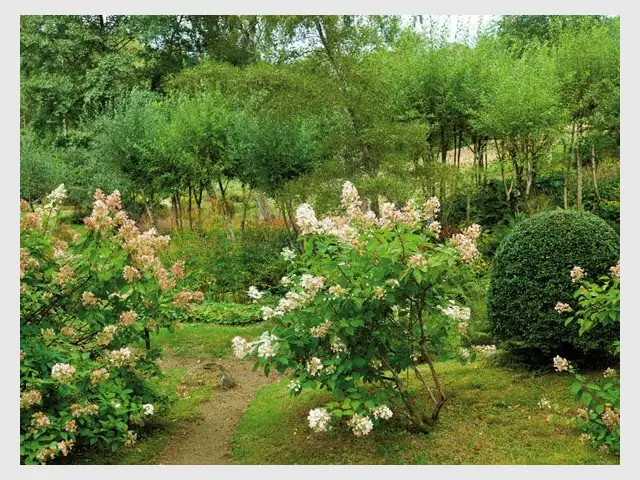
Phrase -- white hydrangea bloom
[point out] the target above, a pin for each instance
(561, 364)
(288, 254)
(456, 312)
(241, 347)
(319, 419)
(314, 366)
(254, 293)
(382, 412)
(360, 425)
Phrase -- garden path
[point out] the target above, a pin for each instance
(207, 441)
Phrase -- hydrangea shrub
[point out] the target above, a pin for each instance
(88, 300)
(369, 298)
(597, 305)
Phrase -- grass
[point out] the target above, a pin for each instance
(491, 417)
(204, 339)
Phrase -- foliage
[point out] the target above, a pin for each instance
(85, 300)
(221, 313)
(389, 305)
(224, 263)
(228, 313)
(39, 172)
(132, 138)
(598, 307)
(530, 272)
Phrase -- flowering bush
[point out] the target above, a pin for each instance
(86, 301)
(598, 305)
(370, 297)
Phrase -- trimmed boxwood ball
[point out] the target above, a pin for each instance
(530, 274)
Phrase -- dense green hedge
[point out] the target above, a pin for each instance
(227, 313)
(531, 272)
(222, 313)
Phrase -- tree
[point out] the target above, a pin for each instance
(520, 112)
(132, 139)
(588, 59)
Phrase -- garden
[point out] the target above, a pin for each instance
(343, 240)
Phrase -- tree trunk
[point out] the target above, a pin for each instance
(263, 207)
(148, 210)
(291, 219)
(189, 208)
(507, 192)
(443, 144)
(179, 205)
(174, 208)
(245, 202)
(579, 172)
(459, 146)
(286, 221)
(223, 196)
(64, 126)
(486, 160)
(198, 197)
(596, 194)
(455, 146)
(529, 177)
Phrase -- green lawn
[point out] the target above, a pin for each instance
(205, 339)
(491, 417)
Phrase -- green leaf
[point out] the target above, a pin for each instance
(586, 398)
(359, 362)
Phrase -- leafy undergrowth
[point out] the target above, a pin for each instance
(224, 313)
(153, 438)
(492, 417)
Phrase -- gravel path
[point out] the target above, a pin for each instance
(207, 441)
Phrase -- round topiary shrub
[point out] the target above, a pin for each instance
(531, 273)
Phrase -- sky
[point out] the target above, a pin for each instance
(456, 24)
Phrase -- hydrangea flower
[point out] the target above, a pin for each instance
(288, 254)
(561, 364)
(63, 372)
(254, 293)
(360, 425)
(318, 419)
(382, 412)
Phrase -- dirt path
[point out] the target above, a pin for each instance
(207, 441)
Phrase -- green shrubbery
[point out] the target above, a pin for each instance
(222, 313)
(531, 272)
(224, 266)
